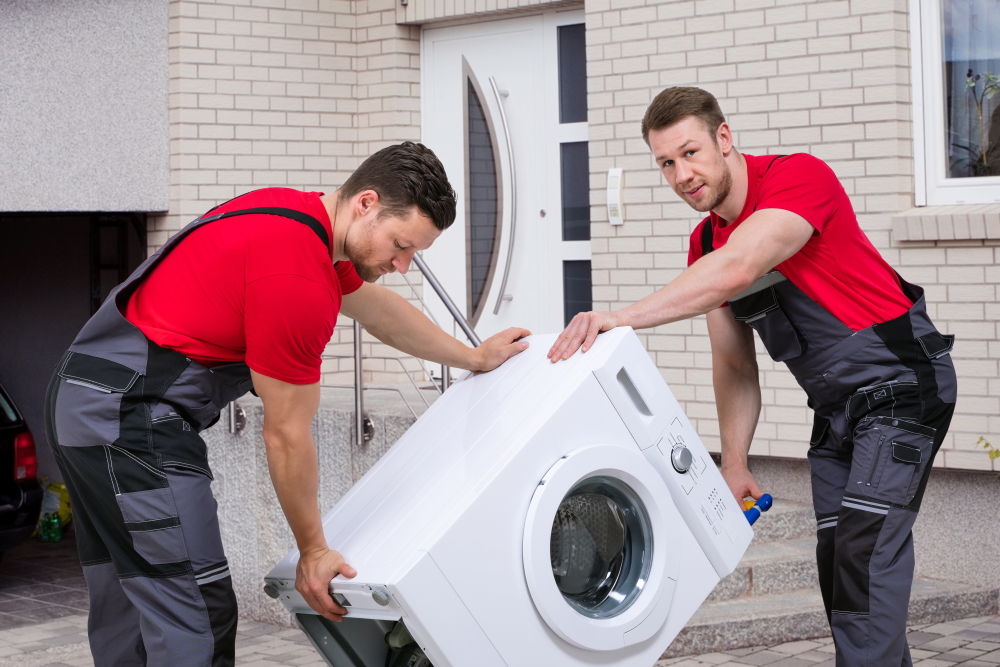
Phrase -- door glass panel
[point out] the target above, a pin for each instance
(578, 291)
(601, 547)
(483, 204)
(572, 74)
(575, 175)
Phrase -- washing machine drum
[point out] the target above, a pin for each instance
(596, 549)
(599, 547)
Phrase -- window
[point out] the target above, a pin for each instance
(572, 73)
(575, 176)
(578, 290)
(956, 82)
(483, 205)
(574, 168)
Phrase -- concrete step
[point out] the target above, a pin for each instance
(794, 615)
(784, 521)
(771, 567)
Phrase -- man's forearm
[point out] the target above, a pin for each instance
(737, 397)
(405, 328)
(703, 286)
(291, 460)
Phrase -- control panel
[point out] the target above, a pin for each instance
(666, 438)
(701, 494)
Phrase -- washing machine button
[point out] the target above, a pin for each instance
(681, 459)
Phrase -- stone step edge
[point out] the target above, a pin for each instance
(766, 569)
(766, 629)
(786, 520)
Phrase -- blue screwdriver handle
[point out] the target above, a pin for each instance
(762, 505)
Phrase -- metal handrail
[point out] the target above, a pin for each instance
(398, 360)
(359, 391)
(448, 303)
(375, 387)
(427, 311)
(361, 433)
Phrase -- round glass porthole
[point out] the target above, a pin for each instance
(601, 547)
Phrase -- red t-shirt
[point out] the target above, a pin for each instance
(838, 268)
(255, 288)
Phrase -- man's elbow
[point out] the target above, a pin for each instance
(280, 439)
(735, 364)
(739, 278)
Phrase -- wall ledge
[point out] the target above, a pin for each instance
(948, 223)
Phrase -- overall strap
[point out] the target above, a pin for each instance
(289, 213)
(706, 236)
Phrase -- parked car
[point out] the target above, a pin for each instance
(20, 493)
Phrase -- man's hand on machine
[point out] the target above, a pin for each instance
(741, 482)
(581, 334)
(312, 579)
(498, 348)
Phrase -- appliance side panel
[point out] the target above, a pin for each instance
(439, 620)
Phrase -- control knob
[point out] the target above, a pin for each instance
(681, 459)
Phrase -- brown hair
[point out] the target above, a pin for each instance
(675, 104)
(404, 176)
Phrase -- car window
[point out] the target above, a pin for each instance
(7, 413)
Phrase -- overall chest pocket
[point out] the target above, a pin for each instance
(762, 311)
(87, 407)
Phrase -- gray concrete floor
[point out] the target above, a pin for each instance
(43, 623)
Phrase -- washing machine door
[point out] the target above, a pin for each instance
(598, 556)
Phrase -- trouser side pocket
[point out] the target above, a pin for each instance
(151, 519)
(147, 505)
(896, 452)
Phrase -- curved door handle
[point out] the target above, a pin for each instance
(503, 296)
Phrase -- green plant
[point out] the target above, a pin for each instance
(985, 159)
(992, 452)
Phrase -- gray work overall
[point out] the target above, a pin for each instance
(883, 399)
(123, 416)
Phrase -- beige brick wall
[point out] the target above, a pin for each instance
(830, 78)
(261, 94)
(292, 93)
(298, 92)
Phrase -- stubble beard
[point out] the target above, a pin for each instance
(360, 253)
(722, 191)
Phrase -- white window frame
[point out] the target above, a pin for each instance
(933, 187)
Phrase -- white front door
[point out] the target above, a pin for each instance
(493, 96)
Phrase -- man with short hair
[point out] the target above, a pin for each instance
(781, 252)
(245, 297)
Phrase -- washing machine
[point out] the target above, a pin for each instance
(539, 514)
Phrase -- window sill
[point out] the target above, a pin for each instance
(948, 223)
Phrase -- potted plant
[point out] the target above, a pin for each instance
(984, 159)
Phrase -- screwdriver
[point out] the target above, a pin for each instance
(755, 507)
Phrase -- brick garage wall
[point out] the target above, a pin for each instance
(830, 78)
(261, 94)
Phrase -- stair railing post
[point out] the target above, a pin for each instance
(359, 389)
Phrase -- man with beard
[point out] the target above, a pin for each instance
(781, 252)
(245, 297)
